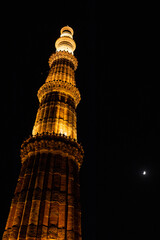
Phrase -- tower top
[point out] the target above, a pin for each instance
(67, 31)
(65, 42)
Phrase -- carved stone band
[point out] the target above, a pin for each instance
(61, 86)
(64, 55)
(53, 143)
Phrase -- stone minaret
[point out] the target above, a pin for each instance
(46, 202)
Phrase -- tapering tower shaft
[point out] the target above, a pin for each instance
(46, 202)
(59, 96)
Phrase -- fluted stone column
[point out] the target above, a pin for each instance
(46, 202)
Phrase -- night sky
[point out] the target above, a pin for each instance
(118, 116)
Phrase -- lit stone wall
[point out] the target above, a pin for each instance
(46, 202)
(56, 114)
(62, 69)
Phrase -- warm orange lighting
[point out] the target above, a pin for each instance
(60, 115)
(46, 202)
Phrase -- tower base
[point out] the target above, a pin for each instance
(46, 202)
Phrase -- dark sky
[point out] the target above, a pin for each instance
(118, 116)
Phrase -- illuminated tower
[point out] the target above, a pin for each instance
(46, 202)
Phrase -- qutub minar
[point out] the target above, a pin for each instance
(46, 202)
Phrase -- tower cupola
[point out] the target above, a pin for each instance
(65, 42)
